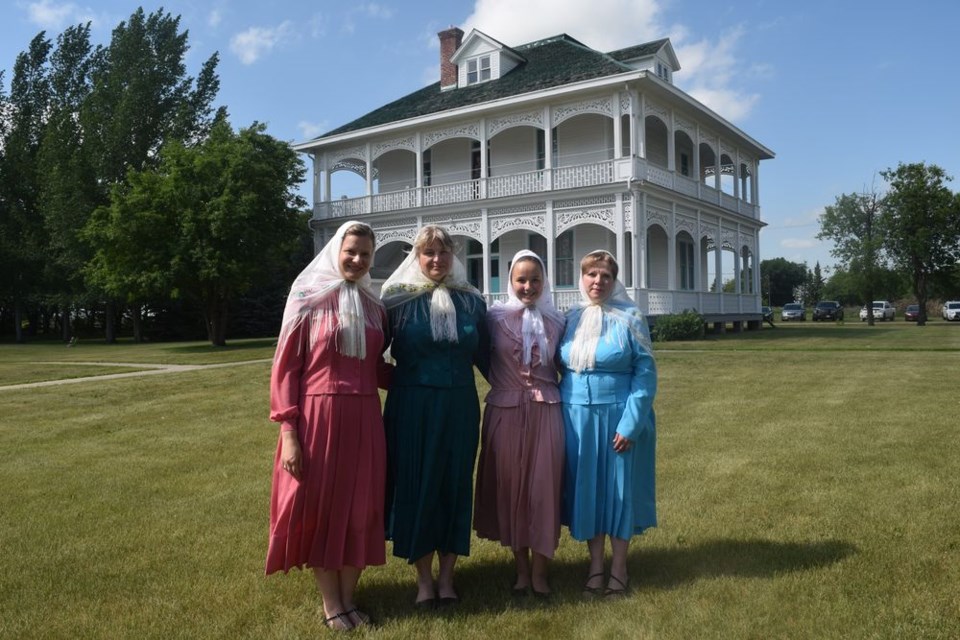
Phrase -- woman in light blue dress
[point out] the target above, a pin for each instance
(608, 383)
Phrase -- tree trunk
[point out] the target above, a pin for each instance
(110, 322)
(18, 320)
(920, 290)
(215, 312)
(136, 316)
(65, 323)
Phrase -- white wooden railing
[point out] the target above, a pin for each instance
(570, 177)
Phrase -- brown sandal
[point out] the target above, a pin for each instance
(341, 619)
(592, 592)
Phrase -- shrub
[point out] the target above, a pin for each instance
(687, 325)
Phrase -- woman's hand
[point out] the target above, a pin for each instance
(621, 444)
(290, 456)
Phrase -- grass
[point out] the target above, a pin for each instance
(807, 489)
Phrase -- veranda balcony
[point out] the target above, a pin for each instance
(624, 170)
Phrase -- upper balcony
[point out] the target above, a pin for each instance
(625, 170)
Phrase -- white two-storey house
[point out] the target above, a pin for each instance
(561, 149)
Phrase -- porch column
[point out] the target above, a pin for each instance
(756, 188)
(485, 243)
(618, 228)
(634, 100)
(671, 145)
(551, 226)
(617, 129)
(418, 146)
(641, 251)
(736, 177)
(697, 264)
(696, 165)
(737, 264)
(547, 148)
(327, 190)
(716, 178)
(642, 132)
(672, 250)
(484, 170)
(755, 255)
(316, 179)
(369, 199)
(718, 260)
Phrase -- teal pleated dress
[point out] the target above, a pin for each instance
(432, 423)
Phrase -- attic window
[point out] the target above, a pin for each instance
(663, 71)
(478, 70)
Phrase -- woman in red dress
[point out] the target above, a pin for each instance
(327, 501)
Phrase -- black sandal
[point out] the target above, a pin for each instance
(592, 592)
(342, 618)
(364, 617)
(617, 593)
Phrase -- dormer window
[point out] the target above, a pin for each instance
(478, 70)
(663, 71)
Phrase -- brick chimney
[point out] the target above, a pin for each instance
(450, 40)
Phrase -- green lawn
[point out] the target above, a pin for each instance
(808, 488)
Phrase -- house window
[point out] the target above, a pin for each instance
(564, 260)
(475, 265)
(538, 244)
(426, 168)
(684, 164)
(685, 263)
(542, 148)
(478, 70)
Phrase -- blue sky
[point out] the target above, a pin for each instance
(840, 90)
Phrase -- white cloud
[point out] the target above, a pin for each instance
(604, 25)
(214, 18)
(374, 10)
(311, 130)
(52, 15)
(318, 25)
(798, 243)
(255, 42)
(710, 67)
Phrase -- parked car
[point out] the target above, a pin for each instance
(793, 311)
(951, 310)
(882, 310)
(912, 313)
(827, 310)
(767, 314)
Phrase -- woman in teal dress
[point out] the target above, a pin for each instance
(608, 382)
(432, 414)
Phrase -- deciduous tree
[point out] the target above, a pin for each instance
(922, 218)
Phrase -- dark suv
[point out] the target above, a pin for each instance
(827, 310)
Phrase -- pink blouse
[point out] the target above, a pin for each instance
(511, 381)
(301, 371)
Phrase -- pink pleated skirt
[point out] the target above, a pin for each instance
(333, 516)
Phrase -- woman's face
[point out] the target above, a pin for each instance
(436, 261)
(597, 282)
(526, 278)
(356, 254)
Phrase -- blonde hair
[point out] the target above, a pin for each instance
(603, 258)
(430, 234)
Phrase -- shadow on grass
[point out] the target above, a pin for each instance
(258, 343)
(485, 586)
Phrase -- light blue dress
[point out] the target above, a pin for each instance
(606, 492)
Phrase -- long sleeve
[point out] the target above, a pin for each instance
(285, 381)
(638, 412)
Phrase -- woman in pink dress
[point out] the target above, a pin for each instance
(520, 473)
(327, 502)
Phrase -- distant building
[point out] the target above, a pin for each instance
(561, 149)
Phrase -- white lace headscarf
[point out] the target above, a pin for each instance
(618, 306)
(532, 324)
(409, 282)
(312, 299)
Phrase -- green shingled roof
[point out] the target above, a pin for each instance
(638, 51)
(552, 62)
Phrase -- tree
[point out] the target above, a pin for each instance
(210, 222)
(922, 217)
(853, 224)
(779, 277)
(142, 99)
(67, 185)
(21, 228)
